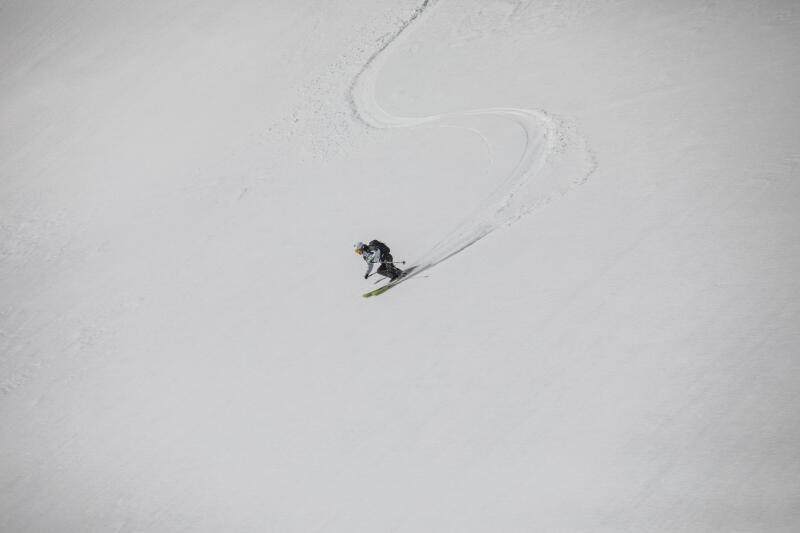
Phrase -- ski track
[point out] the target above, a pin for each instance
(555, 158)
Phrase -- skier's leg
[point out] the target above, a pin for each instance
(396, 272)
(390, 270)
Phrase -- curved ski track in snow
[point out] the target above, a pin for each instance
(554, 158)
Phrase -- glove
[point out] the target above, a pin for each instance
(366, 276)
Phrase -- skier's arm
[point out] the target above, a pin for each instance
(374, 257)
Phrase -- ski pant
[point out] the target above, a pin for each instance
(387, 267)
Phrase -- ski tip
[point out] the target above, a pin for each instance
(378, 291)
(391, 284)
(375, 292)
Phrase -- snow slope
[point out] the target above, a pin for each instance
(548, 158)
(609, 338)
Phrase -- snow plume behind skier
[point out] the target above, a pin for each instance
(378, 253)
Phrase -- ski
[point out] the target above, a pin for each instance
(407, 274)
(381, 290)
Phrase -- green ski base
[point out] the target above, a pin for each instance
(407, 274)
(381, 290)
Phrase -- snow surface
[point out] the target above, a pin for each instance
(609, 339)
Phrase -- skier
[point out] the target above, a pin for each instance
(377, 252)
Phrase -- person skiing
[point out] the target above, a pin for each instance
(377, 252)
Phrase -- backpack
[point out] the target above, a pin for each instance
(380, 246)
